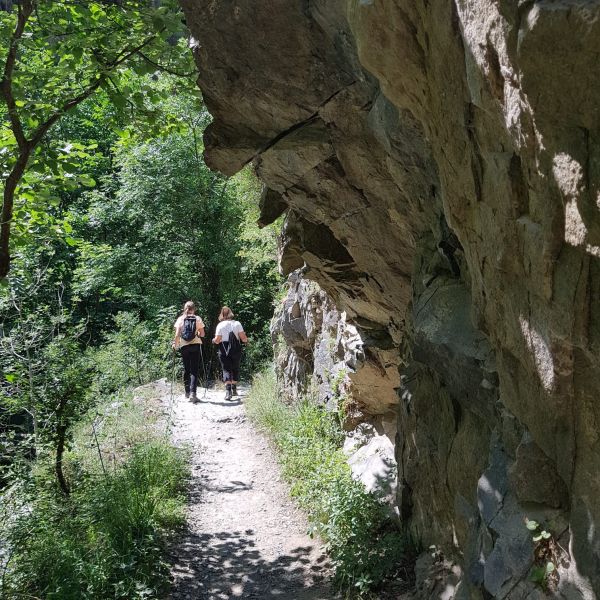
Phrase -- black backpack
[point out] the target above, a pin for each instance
(233, 346)
(188, 329)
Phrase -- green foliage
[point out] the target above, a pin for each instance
(363, 542)
(159, 229)
(252, 295)
(107, 540)
(199, 238)
(43, 375)
(187, 230)
(134, 353)
(366, 546)
(116, 220)
(56, 55)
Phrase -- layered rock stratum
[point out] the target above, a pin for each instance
(438, 164)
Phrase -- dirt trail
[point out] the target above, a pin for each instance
(244, 536)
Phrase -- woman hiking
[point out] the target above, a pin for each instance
(228, 336)
(189, 328)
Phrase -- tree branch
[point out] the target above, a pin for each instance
(24, 12)
(27, 146)
(165, 69)
(41, 131)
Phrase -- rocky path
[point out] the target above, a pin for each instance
(244, 537)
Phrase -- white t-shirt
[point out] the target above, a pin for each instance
(179, 326)
(224, 328)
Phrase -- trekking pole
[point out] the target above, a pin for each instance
(206, 375)
(212, 357)
(210, 362)
(171, 401)
(173, 373)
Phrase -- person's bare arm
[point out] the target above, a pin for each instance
(217, 339)
(243, 337)
(200, 329)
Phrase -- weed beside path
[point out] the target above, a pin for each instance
(244, 537)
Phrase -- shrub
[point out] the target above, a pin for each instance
(364, 544)
(107, 539)
(136, 352)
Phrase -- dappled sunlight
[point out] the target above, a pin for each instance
(227, 564)
(486, 489)
(573, 184)
(541, 353)
(243, 538)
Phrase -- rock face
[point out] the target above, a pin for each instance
(439, 165)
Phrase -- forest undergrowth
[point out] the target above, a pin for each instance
(107, 538)
(364, 542)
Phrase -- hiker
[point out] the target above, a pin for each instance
(189, 328)
(228, 336)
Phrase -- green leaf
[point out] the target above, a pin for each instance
(158, 22)
(71, 241)
(143, 68)
(119, 101)
(538, 575)
(531, 525)
(87, 181)
(69, 167)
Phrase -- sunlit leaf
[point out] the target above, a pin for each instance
(531, 525)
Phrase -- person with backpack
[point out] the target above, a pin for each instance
(189, 329)
(229, 336)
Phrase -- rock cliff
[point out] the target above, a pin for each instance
(438, 162)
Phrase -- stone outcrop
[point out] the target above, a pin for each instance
(319, 354)
(437, 161)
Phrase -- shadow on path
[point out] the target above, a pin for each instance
(244, 537)
(227, 564)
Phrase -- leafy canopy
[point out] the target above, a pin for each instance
(54, 56)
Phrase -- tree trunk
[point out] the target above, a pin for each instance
(61, 436)
(8, 200)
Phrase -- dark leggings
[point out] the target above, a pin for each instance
(230, 366)
(191, 362)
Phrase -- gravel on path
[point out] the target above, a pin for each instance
(244, 537)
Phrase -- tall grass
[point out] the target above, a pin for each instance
(107, 539)
(364, 544)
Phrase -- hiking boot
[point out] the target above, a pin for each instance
(234, 390)
(194, 398)
(187, 394)
(228, 393)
